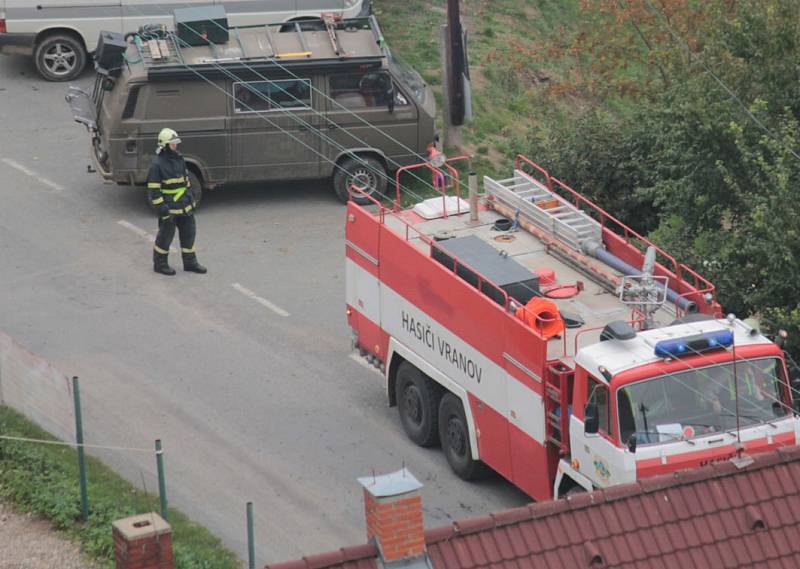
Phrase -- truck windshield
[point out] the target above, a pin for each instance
(701, 401)
(409, 77)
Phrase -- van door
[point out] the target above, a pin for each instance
(274, 131)
(368, 110)
(87, 17)
(259, 12)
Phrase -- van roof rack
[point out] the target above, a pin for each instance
(355, 43)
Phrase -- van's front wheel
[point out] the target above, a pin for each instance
(366, 172)
(60, 57)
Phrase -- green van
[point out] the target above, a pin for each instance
(326, 101)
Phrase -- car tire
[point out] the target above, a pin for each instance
(196, 185)
(418, 405)
(454, 435)
(366, 171)
(60, 57)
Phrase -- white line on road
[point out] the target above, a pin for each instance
(364, 363)
(28, 172)
(142, 233)
(263, 301)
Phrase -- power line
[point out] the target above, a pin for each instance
(660, 16)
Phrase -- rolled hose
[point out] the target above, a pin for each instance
(596, 250)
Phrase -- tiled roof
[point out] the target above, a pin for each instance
(715, 516)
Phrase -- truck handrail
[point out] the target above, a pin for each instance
(438, 181)
(608, 221)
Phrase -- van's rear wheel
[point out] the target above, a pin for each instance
(454, 434)
(366, 172)
(196, 185)
(418, 403)
(60, 57)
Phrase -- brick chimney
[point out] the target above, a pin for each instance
(142, 542)
(393, 508)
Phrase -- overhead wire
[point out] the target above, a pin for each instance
(263, 96)
(295, 117)
(730, 92)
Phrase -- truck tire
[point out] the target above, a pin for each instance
(454, 434)
(418, 405)
(365, 171)
(60, 57)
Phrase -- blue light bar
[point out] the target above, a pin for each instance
(680, 347)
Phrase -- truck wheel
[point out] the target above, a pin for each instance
(454, 434)
(365, 172)
(417, 402)
(196, 184)
(60, 57)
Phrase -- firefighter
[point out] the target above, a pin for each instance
(169, 192)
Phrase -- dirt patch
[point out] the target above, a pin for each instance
(27, 542)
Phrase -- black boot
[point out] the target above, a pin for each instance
(190, 264)
(160, 264)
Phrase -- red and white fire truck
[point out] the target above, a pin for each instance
(528, 330)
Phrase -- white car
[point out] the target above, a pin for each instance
(60, 34)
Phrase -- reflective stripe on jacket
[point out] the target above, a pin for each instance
(168, 183)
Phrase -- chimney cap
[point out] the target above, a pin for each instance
(387, 485)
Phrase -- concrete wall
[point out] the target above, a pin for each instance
(36, 389)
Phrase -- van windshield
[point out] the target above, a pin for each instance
(409, 77)
(701, 401)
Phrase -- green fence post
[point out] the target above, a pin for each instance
(162, 485)
(251, 546)
(76, 392)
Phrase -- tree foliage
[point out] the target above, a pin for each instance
(706, 154)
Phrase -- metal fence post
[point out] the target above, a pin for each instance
(162, 485)
(251, 546)
(76, 392)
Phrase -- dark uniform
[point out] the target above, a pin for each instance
(169, 192)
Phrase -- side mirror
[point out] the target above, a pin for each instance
(591, 421)
(632, 443)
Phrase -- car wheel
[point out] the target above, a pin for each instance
(196, 185)
(60, 57)
(365, 172)
(417, 402)
(454, 434)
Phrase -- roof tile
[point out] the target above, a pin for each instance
(701, 518)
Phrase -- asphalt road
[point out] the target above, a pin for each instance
(251, 405)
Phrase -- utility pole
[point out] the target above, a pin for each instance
(453, 59)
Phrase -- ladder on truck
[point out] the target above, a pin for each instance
(536, 203)
(557, 392)
(330, 20)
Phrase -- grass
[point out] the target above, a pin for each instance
(511, 74)
(43, 479)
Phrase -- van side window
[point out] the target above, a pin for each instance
(598, 394)
(284, 94)
(361, 90)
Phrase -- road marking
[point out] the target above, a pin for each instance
(364, 363)
(263, 301)
(142, 233)
(28, 172)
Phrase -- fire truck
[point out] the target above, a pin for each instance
(527, 330)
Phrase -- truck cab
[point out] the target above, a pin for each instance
(673, 398)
